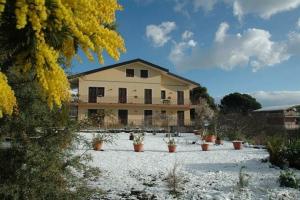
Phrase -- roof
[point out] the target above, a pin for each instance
(276, 108)
(129, 62)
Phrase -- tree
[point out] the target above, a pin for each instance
(201, 93)
(38, 39)
(204, 114)
(36, 36)
(238, 103)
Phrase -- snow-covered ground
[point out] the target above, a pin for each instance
(207, 175)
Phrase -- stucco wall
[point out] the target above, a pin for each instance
(115, 78)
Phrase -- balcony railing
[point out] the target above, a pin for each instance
(84, 99)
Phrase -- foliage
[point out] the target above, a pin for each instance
(288, 178)
(204, 114)
(243, 178)
(276, 147)
(41, 163)
(138, 139)
(201, 93)
(283, 152)
(104, 137)
(175, 180)
(237, 126)
(238, 103)
(7, 97)
(37, 36)
(96, 120)
(38, 39)
(292, 154)
(171, 142)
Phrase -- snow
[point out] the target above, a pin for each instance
(208, 175)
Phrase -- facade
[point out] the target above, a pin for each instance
(132, 93)
(286, 117)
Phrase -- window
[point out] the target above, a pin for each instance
(129, 72)
(97, 116)
(73, 112)
(180, 97)
(163, 114)
(122, 95)
(148, 118)
(163, 94)
(95, 92)
(144, 73)
(92, 112)
(148, 96)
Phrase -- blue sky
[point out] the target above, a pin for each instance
(225, 45)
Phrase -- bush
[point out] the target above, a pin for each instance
(277, 150)
(175, 180)
(287, 178)
(243, 179)
(293, 154)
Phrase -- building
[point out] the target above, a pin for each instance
(132, 93)
(286, 116)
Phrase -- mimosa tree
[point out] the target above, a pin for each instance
(37, 36)
(38, 40)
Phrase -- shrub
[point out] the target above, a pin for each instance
(175, 180)
(243, 179)
(104, 137)
(287, 178)
(277, 149)
(293, 154)
(138, 139)
(171, 142)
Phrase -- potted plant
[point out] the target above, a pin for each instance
(204, 146)
(138, 143)
(210, 138)
(100, 138)
(238, 142)
(171, 145)
(219, 141)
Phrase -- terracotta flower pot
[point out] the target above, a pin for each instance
(98, 146)
(138, 147)
(219, 142)
(210, 138)
(172, 148)
(237, 145)
(204, 147)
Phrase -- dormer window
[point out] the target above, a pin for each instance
(129, 72)
(144, 73)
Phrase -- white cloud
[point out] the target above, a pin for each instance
(192, 43)
(298, 23)
(294, 43)
(179, 50)
(206, 5)
(187, 35)
(221, 32)
(180, 7)
(253, 47)
(262, 8)
(276, 98)
(159, 34)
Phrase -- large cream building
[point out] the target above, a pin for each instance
(133, 93)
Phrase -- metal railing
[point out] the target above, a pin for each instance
(126, 100)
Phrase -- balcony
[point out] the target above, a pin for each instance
(130, 101)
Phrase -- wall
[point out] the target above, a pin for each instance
(115, 78)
